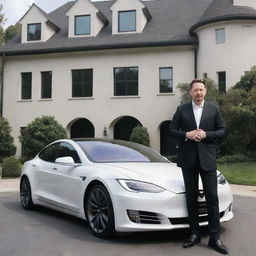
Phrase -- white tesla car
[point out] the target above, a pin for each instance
(117, 186)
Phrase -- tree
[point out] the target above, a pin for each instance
(212, 91)
(140, 135)
(7, 147)
(40, 133)
(11, 32)
(2, 20)
(248, 80)
(238, 107)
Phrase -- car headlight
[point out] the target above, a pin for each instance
(221, 179)
(139, 186)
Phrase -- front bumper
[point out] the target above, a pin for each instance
(160, 211)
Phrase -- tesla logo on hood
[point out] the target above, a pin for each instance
(201, 193)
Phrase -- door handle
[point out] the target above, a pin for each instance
(54, 168)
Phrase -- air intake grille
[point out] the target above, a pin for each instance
(144, 217)
(176, 221)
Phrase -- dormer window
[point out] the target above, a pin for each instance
(127, 21)
(83, 25)
(84, 19)
(129, 16)
(37, 26)
(34, 32)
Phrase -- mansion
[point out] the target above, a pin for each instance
(101, 68)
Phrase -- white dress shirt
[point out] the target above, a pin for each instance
(198, 110)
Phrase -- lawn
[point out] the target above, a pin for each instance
(239, 173)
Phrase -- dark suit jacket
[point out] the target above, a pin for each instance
(211, 122)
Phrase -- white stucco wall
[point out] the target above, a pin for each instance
(235, 56)
(250, 3)
(150, 108)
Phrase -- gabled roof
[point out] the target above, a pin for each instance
(100, 15)
(49, 21)
(224, 10)
(170, 24)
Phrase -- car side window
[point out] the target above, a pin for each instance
(50, 153)
(67, 149)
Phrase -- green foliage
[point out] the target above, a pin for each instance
(7, 147)
(212, 91)
(40, 133)
(184, 92)
(248, 80)
(140, 135)
(235, 158)
(238, 107)
(2, 20)
(11, 167)
(11, 32)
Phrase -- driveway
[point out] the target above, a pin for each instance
(44, 232)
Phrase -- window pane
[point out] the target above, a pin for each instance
(101, 151)
(132, 73)
(132, 88)
(120, 74)
(34, 32)
(83, 25)
(166, 80)
(126, 81)
(120, 89)
(50, 153)
(127, 21)
(220, 36)
(82, 83)
(46, 85)
(68, 150)
(26, 85)
(222, 81)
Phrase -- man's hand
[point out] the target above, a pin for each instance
(191, 135)
(196, 135)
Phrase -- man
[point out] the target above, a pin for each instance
(197, 125)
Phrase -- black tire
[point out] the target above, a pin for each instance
(99, 212)
(25, 194)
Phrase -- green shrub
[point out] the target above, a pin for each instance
(7, 147)
(140, 135)
(40, 133)
(11, 167)
(23, 159)
(235, 158)
(248, 80)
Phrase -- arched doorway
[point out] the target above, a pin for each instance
(168, 145)
(82, 128)
(124, 126)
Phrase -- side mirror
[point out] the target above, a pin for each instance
(65, 160)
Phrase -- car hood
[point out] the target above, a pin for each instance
(166, 175)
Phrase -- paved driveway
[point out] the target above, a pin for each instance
(48, 233)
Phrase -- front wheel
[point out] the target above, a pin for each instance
(25, 194)
(99, 212)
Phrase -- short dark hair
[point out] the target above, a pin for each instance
(197, 81)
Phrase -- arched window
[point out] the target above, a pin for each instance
(82, 128)
(124, 126)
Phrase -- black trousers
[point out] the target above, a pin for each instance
(209, 180)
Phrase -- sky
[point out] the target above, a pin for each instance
(14, 10)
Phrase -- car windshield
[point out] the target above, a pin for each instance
(108, 152)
